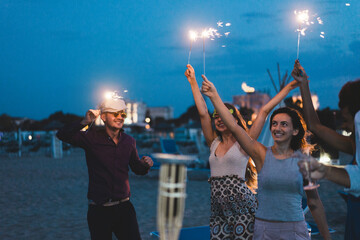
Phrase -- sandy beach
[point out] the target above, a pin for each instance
(45, 198)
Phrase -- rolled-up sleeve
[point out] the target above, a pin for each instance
(354, 170)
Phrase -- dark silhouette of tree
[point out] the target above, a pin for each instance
(6, 123)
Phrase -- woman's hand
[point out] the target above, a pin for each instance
(190, 74)
(208, 88)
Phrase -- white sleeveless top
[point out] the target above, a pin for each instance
(234, 162)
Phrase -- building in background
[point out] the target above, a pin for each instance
(136, 112)
(161, 112)
(253, 100)
(315, 99)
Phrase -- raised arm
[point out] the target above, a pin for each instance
(331, 137)
(254, 149)
(71, 133)
(256, 128)
(318, 212)
(205, 119)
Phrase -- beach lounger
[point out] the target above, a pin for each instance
(169, 146)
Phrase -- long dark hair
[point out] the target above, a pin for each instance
(250, 174)
(298, 141)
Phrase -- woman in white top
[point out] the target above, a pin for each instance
(233, 204)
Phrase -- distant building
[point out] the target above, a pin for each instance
(161, 112)
(315, 99)
(252, 100)
(135, 112)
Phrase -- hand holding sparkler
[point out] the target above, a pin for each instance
(298, 73)
(208, 88)
(190, 74)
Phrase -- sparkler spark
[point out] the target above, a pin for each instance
(220, 24)
(228, 24)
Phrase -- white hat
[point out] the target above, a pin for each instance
(112, 105)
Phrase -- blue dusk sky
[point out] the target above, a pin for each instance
(63, 55)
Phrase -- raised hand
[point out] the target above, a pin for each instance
(298, 73)
(190, 74)
(90, 116)
(208, 88)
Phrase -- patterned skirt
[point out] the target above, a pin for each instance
(233, 207)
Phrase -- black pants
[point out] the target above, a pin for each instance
(119, 219)
(352, 229)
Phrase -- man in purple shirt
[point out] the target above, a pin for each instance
(109, 153)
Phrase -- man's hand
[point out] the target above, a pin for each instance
(317, 169)
(90, 116)
(208, 88)
(190, 74)
(298, 73)
(147, 161)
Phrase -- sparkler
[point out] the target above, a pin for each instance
(193, 36)
(303, 19)
(211, 33)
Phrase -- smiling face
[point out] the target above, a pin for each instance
(113, 120)
(219, 124)
(282, 129)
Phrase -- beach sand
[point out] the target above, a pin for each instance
(45, 198)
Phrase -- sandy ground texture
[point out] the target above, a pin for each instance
(45, 198)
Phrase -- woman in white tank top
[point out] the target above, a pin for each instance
(233, 203)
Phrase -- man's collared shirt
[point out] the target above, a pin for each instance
(108, 163)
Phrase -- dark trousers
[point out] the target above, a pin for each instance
(119, 219)
(352, 229)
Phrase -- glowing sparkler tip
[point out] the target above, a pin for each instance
(303, 16)
(193, 35)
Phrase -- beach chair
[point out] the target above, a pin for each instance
(169, 146)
